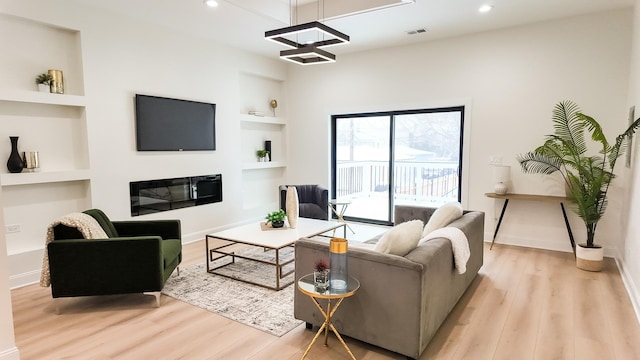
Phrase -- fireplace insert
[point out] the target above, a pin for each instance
(151, 196)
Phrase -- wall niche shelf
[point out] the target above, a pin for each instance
(262, 119)
(43, 177)
(263, 165)
(35, 97)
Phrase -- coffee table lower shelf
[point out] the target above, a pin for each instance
(215, 253)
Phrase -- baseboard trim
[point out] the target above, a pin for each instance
(10, 354)
(24, 279)
(629, 285)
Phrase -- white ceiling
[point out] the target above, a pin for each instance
(242, 23)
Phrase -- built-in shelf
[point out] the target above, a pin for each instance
(36, 97)
(43, 177)
(262, 119)
(263, 165)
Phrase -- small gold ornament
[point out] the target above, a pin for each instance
(274, 105)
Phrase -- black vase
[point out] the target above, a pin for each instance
(15, 164)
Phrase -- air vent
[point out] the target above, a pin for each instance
(417, 31)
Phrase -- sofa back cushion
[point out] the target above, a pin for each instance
(104, 222)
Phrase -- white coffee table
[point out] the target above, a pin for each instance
(275, 239)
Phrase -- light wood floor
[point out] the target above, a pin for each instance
(525, 304)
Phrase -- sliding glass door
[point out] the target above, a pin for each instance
(400, 157)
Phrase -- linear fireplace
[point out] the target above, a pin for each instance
(151, 196)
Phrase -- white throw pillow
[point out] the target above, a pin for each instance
(443, 215)
(401, 239)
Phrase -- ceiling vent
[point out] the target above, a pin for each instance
(417, 31)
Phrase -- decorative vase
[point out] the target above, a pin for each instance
(44, 88)
(277, 224)
(57, 84)
(267, 147)
(500, 188)
(321, 280)
(291, 206)
(338, 264)
(589, 259)
(15, 164)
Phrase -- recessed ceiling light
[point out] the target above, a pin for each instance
(210, 3)
(485, 8)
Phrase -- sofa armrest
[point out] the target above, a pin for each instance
(82, 267)
(166, 229)
(322, 197)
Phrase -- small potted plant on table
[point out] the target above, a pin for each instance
(321, 275)
(276, 218)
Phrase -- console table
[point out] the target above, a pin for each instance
(527, 197)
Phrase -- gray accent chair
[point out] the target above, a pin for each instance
(313, 200)
(402, 300)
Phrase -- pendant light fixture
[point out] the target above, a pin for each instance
(307, 53)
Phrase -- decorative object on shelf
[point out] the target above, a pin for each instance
(276, 218)
(15, 164)
(274, 104)
(31, 160)
(262, 155)
(501, 179)
(57, 82)
(321, 275)
(292, 206)
(586, 175)
(338, 264)
(256, 113)
(267, 148)
(44, 82)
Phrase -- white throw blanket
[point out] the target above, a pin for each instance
(459, 243)
(88, 227)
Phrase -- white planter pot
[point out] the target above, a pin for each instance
(589, 259)
(44, 88)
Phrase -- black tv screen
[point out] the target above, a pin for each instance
(164, 124)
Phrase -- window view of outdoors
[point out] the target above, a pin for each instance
(425, 168)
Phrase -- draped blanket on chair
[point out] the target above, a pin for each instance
(88, 227)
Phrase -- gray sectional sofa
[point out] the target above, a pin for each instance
(402, 301)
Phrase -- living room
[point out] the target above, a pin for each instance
(508, 80)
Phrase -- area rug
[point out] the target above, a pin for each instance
(264, 309)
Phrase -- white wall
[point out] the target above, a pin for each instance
(510, 79)
(122, 57)
(629, 251)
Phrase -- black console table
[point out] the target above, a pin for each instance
(527, 197)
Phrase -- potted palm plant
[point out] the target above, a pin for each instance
(587, 176)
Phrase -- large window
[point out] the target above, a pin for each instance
(398, 157)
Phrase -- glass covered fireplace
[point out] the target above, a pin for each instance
(151, 196)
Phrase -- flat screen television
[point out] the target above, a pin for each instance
(164, 124)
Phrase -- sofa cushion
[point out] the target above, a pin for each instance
(442, 217)
(401, 239)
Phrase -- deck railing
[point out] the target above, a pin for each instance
(413, 181)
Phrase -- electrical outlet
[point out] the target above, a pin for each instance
(14, 228)
(495, 160)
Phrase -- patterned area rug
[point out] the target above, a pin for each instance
(268, 310)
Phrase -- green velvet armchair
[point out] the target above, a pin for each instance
(138, 257)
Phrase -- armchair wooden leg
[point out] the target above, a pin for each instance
(178, 269)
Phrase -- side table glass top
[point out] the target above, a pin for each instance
(307, 286)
